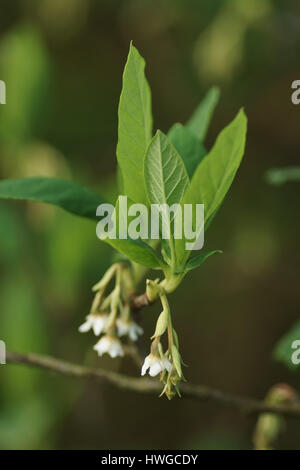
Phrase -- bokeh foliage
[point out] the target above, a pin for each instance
(63, 62)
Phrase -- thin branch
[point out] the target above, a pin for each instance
(150, 386)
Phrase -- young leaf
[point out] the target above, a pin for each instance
(283, 351)
(188, 146)
(138, 251)
(215, 174)
(165, 175)
(200, 120)
(199, 259)
(120, 182)
(68, 195)
(135, 126)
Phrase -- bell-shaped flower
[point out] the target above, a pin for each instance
(129, 328)
(110, 345)
(155, 365)
(95, 322)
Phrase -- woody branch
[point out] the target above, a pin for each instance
(150, 386)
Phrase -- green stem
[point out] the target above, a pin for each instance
(169, 284)
(173, 254)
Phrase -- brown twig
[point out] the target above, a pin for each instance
(139, 301)
(150, 386)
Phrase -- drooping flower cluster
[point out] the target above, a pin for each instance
(167, 364)
(110, 315)
(111, 319)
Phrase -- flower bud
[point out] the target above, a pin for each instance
(152, 289)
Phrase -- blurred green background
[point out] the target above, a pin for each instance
(62, 62)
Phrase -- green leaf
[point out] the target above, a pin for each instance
(165, 175)
(199, 259)
(215, 174)
(283, 350)
(188, 146)
(200, 120)
(120, 182)
(135, 126)
(138, 251)
(161, 324)
(278, 176)
(68, 195)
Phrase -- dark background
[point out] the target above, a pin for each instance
(62, 62)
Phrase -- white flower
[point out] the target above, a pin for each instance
(110, 345)
(155, 365)
(95, 321)
(129, 328)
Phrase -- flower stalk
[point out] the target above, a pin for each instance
(168, 363)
